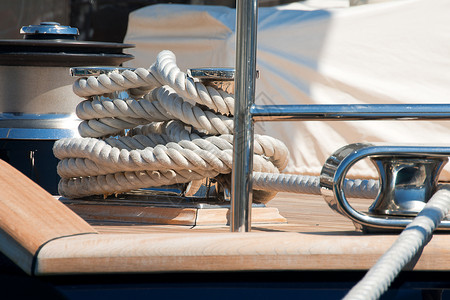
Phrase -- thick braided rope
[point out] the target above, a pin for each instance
(167, 72)
(167, 146)
(163, 72)
(160, 152)
(105, 179)
(126, 181)
(119, 108)
(303, 184)
(208, 121)
(112, 116)
(95, 159)
(410, 242)
(114, 81)
(92, 157)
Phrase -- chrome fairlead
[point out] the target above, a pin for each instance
(408, 179)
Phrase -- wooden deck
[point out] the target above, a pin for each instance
(314, 238)
(304, 214)
(44, 237)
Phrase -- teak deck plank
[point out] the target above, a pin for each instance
(225, 251)
(315, 238)
(304, 213)
(30, 217)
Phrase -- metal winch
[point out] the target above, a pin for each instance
(37, 105)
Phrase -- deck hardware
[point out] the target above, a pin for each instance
(49, 30)
(408, 176)
(241, 178)
(96, 71)
(37, 105)
(350, 112)
(219, 78)
(407, 183)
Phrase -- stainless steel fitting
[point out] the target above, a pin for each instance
(407, 183)
(408, 178)
(219, 78)
(49, 30)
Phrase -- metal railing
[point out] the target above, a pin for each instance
(246, 112)
(245, 80)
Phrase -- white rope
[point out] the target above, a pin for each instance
(413, 238)
(170, 141)
(168, 73)
(131, 108)
(303, 184)
(158, 149)
(140, 79)
(207, 121)
(112, 116)
(163, 72)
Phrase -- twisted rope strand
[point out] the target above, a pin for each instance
(413, 238)
(169, 139)
(163, 72)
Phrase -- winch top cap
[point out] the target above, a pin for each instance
(48, 30)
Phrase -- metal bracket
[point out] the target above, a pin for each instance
(408, 178)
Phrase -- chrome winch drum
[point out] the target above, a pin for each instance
(37, 104)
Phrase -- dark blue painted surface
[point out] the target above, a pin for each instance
(33, 158)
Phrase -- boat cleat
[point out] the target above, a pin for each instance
(408, 178)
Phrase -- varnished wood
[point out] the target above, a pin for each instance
(136, 214)
(30, 217)
(300, 213)
(104, 212)
(260, 215)
(225, 251)
(314, 238)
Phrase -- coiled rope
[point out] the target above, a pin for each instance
(171, 138)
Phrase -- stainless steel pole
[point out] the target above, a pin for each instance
(245, 80)
(347, 112)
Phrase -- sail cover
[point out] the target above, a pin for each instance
(394, 52)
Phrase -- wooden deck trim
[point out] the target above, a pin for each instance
(44, 237)
(191, 251)
(147, 214)
(30, 217)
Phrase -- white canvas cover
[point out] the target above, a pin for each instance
(394, 52)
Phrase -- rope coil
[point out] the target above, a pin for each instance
(169, 141)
